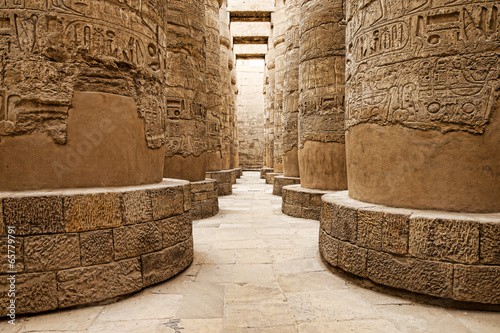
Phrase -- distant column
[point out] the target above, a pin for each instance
(186, 128)
(291, 90)
(226, 95)
(321, 95)
(270, 64)
(279, 19)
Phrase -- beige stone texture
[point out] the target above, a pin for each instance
(51, 252)
(176, 229)
(490, 243)
(167, 202)
(477, 283)
(13, 259)
(280, 181)
(96, 247)
(86, 212)
(429, 135)
(95, 283)
(134, 240)
(137, 207)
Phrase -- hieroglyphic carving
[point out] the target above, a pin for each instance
(423, 64)
(49, 49)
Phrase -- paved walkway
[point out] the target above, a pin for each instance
(257, 270)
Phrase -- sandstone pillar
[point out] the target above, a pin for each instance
(186, 128)
(270, 64)
(291, 90)
(423, 137)
(226, 95)
(235, 157)
(81, 154)
(279, 20)
(321, 148)
(213, 84)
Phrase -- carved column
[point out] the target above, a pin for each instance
(279, 19)
(321, 96)
(423, 137)
(82, 194)
(186, 128)
(225, 60)
(213, 84)
(235, 158)
(291, 90)
(270, 64)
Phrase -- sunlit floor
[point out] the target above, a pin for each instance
(257, 270)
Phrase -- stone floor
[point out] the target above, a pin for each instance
(257, 270)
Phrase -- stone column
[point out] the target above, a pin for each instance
(279, 19)
(186, 128)
(423, 150)
(291, 90)
(213, 84)
(81, 154)
(235, 159)
(321, 96)
(225, 73)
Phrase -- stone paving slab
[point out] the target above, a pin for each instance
(271, 281)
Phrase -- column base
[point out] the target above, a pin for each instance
(441, 254)
(234, 175)
(204, 203)
(270, 177)
(302, 202)
(224, 181)
(280, 181)
(81, 246)
(239, 172)
(264, 171)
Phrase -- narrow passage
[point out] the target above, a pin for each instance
(258, 270)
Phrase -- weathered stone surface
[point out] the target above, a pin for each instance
(369, 232)
(329, 248)
(352, 259)
(84, 212)
(311, 213)
(96, 247)
(207, 185)
(422, 276)
(209, 207)
(176, 229)
(395, 231)
(490, 243)
(270, 177)
(16, 254)
(280, 181)
(35, 292)
(132, 241)
(224, 189)
(33, 215)
(264, 171)
(444, 239)
(51, 252)
(344, 223)
(162, 265)
(95, 283)
(187, 196)
(200, 196)
(221, 176)
(291, 210)
(136, 207)
(325, 222)
(3, 229)
(477, 283)
(167, 202)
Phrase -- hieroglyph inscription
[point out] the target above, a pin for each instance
(51, 48)
(425, 64)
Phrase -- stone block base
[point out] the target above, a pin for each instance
(234, 176)
(270, 177)
(264, 171)
(302, 202)
(204, 200)
(81, 246)
(224, 181)
(448, 255)
(239, 172)
(280, 181)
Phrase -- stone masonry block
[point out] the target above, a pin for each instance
(32, 215)
(51, 252)
(85, 212)
(344, 223)
(176, 229)
(224, 189)
(35, 292)
(162, 265)
(369, 233)
(352, 258)
(167, 202)
(96, 283)
(137, 207)
(96, 247)
(132, 241)
(291, 210)
(311, 213)
(395, 230)
(444, 239)
(298, 198)
(187, 197)
(329, 248)
(315, 199)
(199, 196)
(196, 210)
(326, 218)
(203, 186)
(490, 243)
(209, 207)
(18, 248)
(421, 276)
(477, 283)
